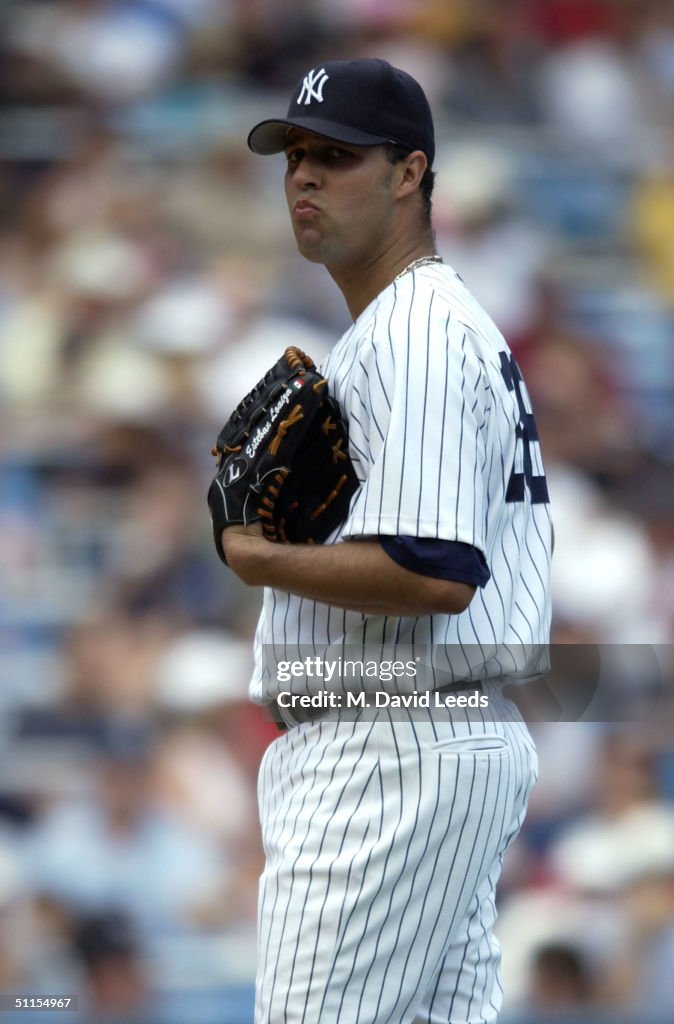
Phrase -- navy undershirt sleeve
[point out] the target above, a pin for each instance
(443, 559)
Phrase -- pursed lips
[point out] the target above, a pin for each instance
(303, 208)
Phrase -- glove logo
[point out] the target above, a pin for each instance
(234, 471)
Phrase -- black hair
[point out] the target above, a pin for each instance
(107, 933)
(396, 153)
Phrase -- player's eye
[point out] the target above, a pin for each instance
(337, 153)
(293, 156)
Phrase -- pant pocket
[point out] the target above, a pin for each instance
(483, 743)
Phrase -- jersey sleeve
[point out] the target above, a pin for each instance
(442, 559)
(422, 390)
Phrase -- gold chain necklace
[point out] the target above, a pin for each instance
(422, 261)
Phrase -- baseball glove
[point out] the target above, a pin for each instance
(283, 458)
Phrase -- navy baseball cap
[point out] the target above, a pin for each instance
(364, 102)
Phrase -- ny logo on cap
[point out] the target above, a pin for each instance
(312, 87)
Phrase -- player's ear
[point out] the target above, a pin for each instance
(410, 172)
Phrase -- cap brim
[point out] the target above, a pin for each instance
(269, 137)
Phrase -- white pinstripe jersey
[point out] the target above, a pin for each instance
(445, 446)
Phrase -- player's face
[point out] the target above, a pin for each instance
(340, 199)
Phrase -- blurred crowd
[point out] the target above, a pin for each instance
(147, 278)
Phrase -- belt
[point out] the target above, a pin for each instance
(287, 718)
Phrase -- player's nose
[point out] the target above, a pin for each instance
(306, 173)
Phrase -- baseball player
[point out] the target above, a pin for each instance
(385, 834)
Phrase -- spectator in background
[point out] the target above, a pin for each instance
(116, 984)
(648, 900)
(118, 847)
(483, 235)
(623, 830)
(110, 52)
(625, 787)
(651, 221)
(625, 849)
(211, 744)
(590, 84)
(559, 947)
(560, 984)
(647, 495)
(584, 420)
(155, 552)
(494, 75)
(105, 677)
(606, 556)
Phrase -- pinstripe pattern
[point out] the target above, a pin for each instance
(384, 840)
(432, 431)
